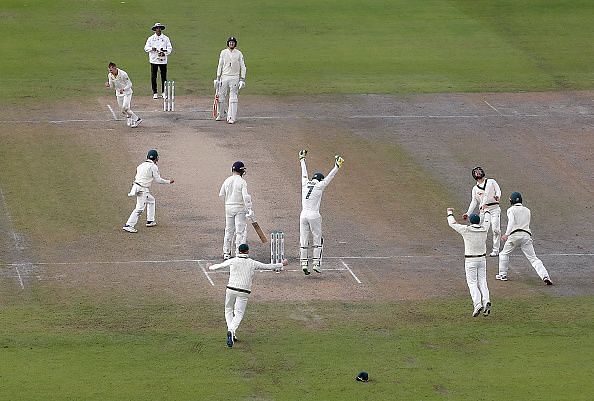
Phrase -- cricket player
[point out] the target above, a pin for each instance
(486, 194)
(238, 208)
(310, 220)
(230, 78)
(158, 46)
(475, 264)
(146, 173)
(518, 234)
(119, 80)
(239, 287)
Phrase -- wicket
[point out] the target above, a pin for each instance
(169, 98)
(277, 247)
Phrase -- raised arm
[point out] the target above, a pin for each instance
(302, 155)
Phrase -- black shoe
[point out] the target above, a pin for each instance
(234, 339)
(547, 281)
(229, 339)
(477, 311)
(487, 310)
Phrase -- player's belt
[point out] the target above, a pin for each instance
(475, 256)
(491, 204)
(239, 289)
(521, 230)
(139, 185)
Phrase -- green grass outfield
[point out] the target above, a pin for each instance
(60, 48)
(536, 349)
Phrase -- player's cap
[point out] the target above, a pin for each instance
(362, 377)
(158, 25)
(474, 218)
(243, 248)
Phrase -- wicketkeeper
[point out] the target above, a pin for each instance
(310, 220)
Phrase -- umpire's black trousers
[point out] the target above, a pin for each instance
(154, 68)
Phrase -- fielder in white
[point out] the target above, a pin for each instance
(310, 220)
(518, 234)
(486, 194)
(230, 78)
(239, 288)
(158, 46)
(475, 264)
(146, 173)
(238, 208)
(119, 80)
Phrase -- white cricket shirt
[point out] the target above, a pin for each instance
(242, 269)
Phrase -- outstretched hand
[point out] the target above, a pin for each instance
(302, 154)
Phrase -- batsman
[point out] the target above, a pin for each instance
(310, 220)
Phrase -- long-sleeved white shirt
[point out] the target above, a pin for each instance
(484, 196)
(146, 173)
(474, 235)
(121, 81)
(162, 44)
(518, 218)
(242, 269)
(231, 63)
(312, 191)
(234, 191)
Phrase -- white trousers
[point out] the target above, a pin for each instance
(524, 241)
(310, 223)
(235, 226)
(124, 103)
(476, 278)
(230, 85)
(495, 226)
(143, 199)
(235, 304)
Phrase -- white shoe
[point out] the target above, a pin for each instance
(128, 121)
(477, 311)
(317, 268)
(130, 229)
(219, 118)
(136, 123)
(502, 277)
(155, 96)
(494, 254)
(151, 223)
(230, 122)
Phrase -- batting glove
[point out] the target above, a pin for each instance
(250, 214)
(216, 83)
(302, 154)
(241, 84)
(338, 160)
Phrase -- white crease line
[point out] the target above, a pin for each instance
(205, 273)
(14, 236)
(350, 271)
(112, 112)
(493, 107)
(449, 116)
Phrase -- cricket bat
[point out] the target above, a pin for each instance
(259, 231)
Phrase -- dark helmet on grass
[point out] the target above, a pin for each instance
(152, 155)
(362, 377)
(515, 197)
(478, 173)
(317, 176)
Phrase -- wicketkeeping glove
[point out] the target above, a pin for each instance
(302, 154)
(338, 160)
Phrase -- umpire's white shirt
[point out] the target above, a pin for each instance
(231, 64)
(518, 219)
(146, 173)
(120, 82)
(242, 269)
(158, 42)
(474, 235)
(312, 191)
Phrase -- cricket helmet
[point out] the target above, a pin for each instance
(152, 155)
(158, 25)
(232, 39)
(478, 173)
(515, 197)
(317, 176)
(362, 377)
(243, 248)
(239, 167)
(474, 218)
